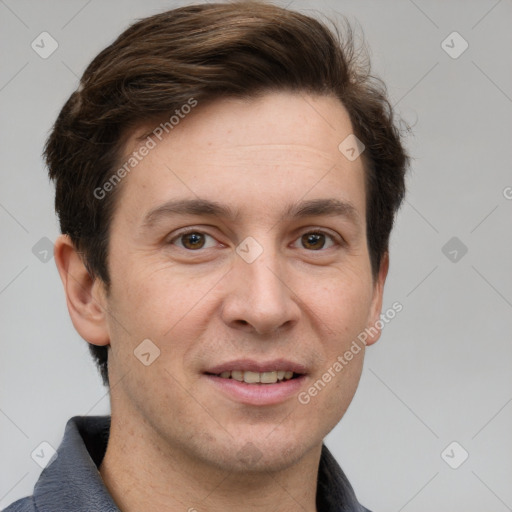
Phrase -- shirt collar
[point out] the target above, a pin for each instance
(72, 480)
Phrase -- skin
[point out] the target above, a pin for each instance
(176, 441)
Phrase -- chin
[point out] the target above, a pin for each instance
(253, 454)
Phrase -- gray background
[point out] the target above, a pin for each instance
(441, 371)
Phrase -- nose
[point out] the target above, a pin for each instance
(260, 298)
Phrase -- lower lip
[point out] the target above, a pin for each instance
(257, 394)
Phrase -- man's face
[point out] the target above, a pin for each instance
(265, 289)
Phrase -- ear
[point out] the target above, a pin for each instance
(85, 296)
(376, 307)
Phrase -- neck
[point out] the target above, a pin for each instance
(143, 473)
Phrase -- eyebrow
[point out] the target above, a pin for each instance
(202, 207)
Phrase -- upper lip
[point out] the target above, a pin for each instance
(258, 366)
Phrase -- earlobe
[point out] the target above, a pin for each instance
(375, 324)
(85, 296)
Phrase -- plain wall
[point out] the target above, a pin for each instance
(442, 369)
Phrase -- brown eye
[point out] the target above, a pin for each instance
(314, 241)
(192, 241)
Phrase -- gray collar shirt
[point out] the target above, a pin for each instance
(71, 482)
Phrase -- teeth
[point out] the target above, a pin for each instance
(268, 377)
(251, 377)
(237, 375)
(257, 377)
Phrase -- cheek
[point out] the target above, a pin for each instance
(343, 311)
(156, 299)
(166, 306)
(342, 304)
(342, 389)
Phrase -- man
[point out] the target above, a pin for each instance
(226, 181)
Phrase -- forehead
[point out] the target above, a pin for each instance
(245, 152)
(272, 118)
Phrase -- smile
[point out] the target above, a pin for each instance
(250, 377)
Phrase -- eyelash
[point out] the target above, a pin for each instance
(312, 231)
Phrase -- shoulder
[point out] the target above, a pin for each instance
(22, 505)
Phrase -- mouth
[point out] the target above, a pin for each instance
(250, 377)
(257, 383)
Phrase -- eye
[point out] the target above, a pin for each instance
(192, 240)
(316, 240)
(195, 240)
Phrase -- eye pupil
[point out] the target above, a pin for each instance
(314, 239)
(193, 240)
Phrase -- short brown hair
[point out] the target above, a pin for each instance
(205, 52)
